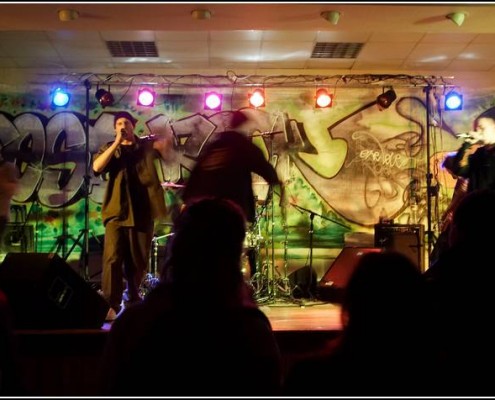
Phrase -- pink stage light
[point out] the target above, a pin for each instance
(146, 97)
(213, 101)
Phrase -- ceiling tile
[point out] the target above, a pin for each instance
(477, 52)
(78, 36)
(348, 37)
(30, 49)
(380, 50)
(237, 51)
(381, 64)
(198, 36)
(131, 36)
(28, 62)
(285, 51)
(484, 38)
(289, 36)
(460, 38)
(81, 50)
(236, 35)
(282, 64)
(403, 37)
(471, 65)
(431, 52)
(340, 63)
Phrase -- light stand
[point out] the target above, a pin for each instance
(429, 233)
(84, 233)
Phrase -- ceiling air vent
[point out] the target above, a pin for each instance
(336, 50)
(132, 49)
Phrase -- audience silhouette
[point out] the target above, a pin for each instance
(384, 348)
(200, 324)
(11, 380)
(461, 286)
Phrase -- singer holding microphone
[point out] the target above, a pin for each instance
(133, 200)
(475, 160)
(473, 165)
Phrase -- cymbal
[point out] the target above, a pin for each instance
(172, 185)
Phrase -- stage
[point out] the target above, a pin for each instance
(65, 362)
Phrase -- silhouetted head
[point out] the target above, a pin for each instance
(386, 292)
(204, 253)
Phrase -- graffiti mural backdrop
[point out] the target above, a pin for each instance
(342, 166)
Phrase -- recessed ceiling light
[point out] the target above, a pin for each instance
(68, 14)
(457, 17)
(201, 14)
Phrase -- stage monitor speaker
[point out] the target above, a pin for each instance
(403, 238)
(17, 238)
(334, 282)
(46, 293)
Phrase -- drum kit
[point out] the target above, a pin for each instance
(268, 283)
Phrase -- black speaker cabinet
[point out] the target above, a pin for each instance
(46, 293)
(334, 282)
(405, 239)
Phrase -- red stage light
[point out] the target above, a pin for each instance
(323, 99)
(257, 98)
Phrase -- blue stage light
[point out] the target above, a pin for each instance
(60, 98)
(453, 101)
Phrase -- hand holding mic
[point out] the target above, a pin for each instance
(469, 138)
(148, 137)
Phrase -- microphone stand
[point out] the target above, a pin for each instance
(312, 215)
(22, 231)
(84, 233)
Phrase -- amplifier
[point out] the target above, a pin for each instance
(407, 239)
(17, 238)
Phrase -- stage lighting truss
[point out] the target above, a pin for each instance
(323, 99)
(257, 98)
(213, 101)
(146, 97)
(60, 97)
(453, 101)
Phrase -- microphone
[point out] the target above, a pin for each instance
(148, 137)
(469, 138)
(266, 133)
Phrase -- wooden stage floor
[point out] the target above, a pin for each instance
(300, 315)
(65, 362)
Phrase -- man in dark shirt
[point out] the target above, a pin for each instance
(133, 199)
(477, 162)
(224, 169)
